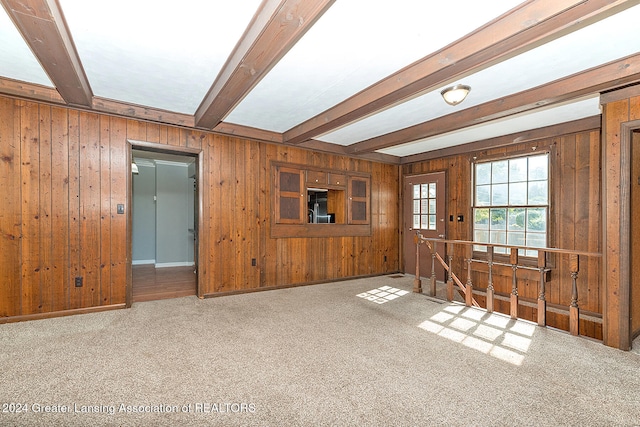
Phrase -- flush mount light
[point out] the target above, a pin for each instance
(454, 95)
(134, 168)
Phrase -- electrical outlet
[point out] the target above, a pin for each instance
(253, 262)
(79, 282)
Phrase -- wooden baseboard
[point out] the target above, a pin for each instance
(38, 316)
(295, 285)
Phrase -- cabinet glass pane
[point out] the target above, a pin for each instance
(290, 207)
(359, 211)
(290, 182)
(358, 188)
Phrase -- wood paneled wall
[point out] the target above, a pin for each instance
(62, 175)
(65, 171)
(575, 221)
(621, 114)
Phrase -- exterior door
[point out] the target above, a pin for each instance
(424, 211)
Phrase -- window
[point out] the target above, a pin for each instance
(424, 206)
(511, 203)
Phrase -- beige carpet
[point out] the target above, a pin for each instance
(326, 355)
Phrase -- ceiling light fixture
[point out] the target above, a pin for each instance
(454, 95)
(134, 168)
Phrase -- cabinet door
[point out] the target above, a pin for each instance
(359, 205)
(289, 196)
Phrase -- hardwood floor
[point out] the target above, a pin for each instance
(150, 283)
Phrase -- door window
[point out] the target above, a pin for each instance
(424, 206)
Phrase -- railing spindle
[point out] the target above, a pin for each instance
(542, 302)
(514, 283)
(468, 297)
(449, 250)
(432, 246)
(417, 283)
(574, 310)
(490, 289)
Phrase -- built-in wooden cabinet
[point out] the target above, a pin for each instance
(289, 189)
(359, 200)
(311, 202)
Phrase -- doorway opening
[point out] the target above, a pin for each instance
(164, 222)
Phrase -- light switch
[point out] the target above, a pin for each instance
(120, 209)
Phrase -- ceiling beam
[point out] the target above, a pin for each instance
(45, 30)
(472, 148)
(604, 77)
(341, 150)
(274, 30)
(521, 29)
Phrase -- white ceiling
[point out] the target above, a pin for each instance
(166, 55)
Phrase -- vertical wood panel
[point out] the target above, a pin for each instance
(30, 153)
(119, 261)
(173, 136)
(45, 205)
(105, 211)
(10, 218)
(60, 208)
(75, 238)
(90, 208)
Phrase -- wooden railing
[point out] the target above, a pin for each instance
(466, 289)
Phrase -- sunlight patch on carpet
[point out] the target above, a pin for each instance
(493, 334)
(383, 294)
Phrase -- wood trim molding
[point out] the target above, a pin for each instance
(70, 312)
(39, 20)
(620, 94)
(240, 131)
(623, 294)
(31, 91)
(582, 125)
(109, 106)
(612, 74)
(273, 31)
(342, 150)
(523, 28)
